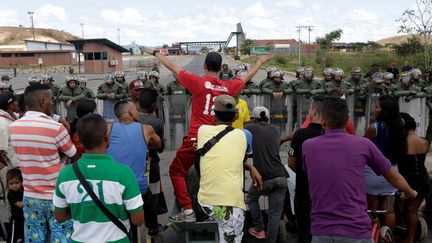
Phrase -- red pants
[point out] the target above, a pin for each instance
(179, 168)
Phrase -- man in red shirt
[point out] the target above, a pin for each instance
(204, 90)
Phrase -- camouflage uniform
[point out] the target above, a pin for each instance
(273, 87)
(411, 92)
(76, 95)
(343, 85)
(250, 89)
(175, 88)
(55, 89)
(305, 87)
(115, 88)
(89, 93)
(226, 74)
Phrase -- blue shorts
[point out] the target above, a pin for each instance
(39, 223)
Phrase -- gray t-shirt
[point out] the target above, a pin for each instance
(266, 143)
(158, 126)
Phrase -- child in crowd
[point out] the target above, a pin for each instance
(15, 197)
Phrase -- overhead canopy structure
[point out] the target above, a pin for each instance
(241, 38)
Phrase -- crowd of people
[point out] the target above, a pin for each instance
(96, 178)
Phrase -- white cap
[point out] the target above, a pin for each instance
(256, 113)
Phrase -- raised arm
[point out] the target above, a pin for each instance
(164, 60)
(249, 75)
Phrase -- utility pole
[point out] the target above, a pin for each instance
(82, 30)
(118, 35)
(32, 23)
(309, 28)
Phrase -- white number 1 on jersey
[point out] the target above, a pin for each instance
(207, 105)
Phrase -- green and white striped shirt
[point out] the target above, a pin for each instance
(113, 183)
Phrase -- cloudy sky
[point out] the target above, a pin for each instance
(162, 21)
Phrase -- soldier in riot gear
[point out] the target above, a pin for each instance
(268, 79)
(143, 76)
(5, 79)
(83, 84)
(48, 80)
(307, 85)
(154, 79)
(417, 78)
(155, 67)
(71, 94)
(119, 77)
(5, 87)
(389, 85)
(375, 68)
(377, 86)
(277, 87)
(338, 83)
(226, 73)
(110, 92)
(34, 80)
(406, 88)
(327, 75)
(356, 80)
(175, 88)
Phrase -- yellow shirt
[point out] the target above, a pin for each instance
(221, 182)
(243, 114)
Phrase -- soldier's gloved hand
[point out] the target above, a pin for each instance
(313, 92)
(413, 92)
(307, 96)
(357, 88)
(408, 98)
(350, 91)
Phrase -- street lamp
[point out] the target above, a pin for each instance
(31, 17)
(82, 29)
(118, 35)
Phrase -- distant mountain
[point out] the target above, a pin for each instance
(398, 39)
(17, 35)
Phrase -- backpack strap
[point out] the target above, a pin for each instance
(96, 200)
(208, 145)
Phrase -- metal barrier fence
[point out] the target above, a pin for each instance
(287, 113)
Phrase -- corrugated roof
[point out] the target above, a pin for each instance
(102, 41)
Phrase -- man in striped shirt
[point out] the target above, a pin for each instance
(37, 141)
(113, 183)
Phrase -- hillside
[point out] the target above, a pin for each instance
(17, 35)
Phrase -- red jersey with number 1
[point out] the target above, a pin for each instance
(204, 90)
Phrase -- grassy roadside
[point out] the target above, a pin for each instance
(346, 61)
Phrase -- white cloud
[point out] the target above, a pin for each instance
(363, 15)
(257, 10)
(289, 3)
(49, 13)
(8, 17)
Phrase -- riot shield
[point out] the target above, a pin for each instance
(177, 111)
(108, 110)
(350, 103)
(370, 109)
(303, 103)
(359, 118)
(418, 110)
(68, 112)
(280, 112)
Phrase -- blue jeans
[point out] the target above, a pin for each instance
(39, 220)
(275, 189)
(338, 239)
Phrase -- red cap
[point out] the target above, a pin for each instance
(136, 84)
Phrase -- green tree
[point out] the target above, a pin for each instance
(417, 21)
(245, 49)
(322, 55)
(326, 41)
(411, 46)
